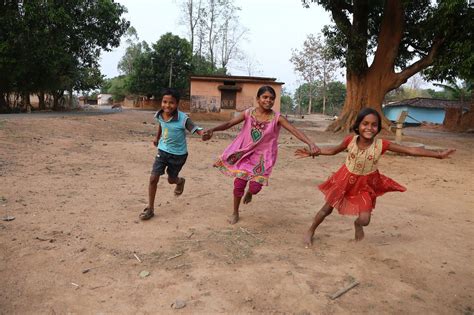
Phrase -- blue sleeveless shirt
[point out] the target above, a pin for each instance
(173, 133)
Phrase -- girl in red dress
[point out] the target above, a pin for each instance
(353, 189)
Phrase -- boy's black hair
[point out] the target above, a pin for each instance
(364, 112)
(169, 91)
(266, 88)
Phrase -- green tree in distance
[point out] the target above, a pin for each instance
(51, 47)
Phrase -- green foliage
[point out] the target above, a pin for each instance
(149, 70)
(403, 93)
(438, 94)
(118, 88)
(133, 51)
(202, 66)
(140, 80)
(460, 92)
(171, 59)
(51, 47)
(105, 86)
(454, 20)
(335, 95)
(452, 91)
(286, 103)
(354, 35)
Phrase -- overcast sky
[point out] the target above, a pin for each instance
(275, 28)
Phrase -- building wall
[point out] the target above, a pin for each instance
(104, 99)
(206, 98)
(432, 115)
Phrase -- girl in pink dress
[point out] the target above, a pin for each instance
(353, 189)
(253, 153)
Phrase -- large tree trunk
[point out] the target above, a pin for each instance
(41, 103)
(363, 90)
(324, 97)
(25, 101)
(70, 99)
(57, 95)
(367, 87)
(310, 98)
(4, 106)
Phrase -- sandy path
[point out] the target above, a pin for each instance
(77, 183)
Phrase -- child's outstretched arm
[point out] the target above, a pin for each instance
(302, 153)
(313, 148)
(207, 134)
(420, 151)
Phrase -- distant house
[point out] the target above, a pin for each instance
(421, 109)
(221, 96)
(83, 100)
(104, 99)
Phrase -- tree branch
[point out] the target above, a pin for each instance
(340, 18)
(421, 64)
(390, 36)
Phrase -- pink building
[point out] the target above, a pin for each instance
(219, 97)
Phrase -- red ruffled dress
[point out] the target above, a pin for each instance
(356, 185)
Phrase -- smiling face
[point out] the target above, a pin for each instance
(169, 104)
(369, 127)
(266, 100)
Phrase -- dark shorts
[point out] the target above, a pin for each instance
(171, 162)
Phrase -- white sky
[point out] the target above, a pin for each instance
(275, 28)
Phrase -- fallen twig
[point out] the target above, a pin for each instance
(89, 269)
(175, 256)
(343, 290)
(137, 257)
(43, 239)
(180, 266)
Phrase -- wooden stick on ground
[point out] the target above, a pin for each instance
(175, 256)
(343, 290)
(138, 258)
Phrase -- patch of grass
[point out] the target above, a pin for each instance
(233, 244)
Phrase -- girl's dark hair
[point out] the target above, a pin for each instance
(266, 88)
(174, 93)
(364, 112)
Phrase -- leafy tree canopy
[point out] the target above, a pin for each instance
(444, 25)
(46, 46)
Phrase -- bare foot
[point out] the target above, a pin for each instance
(308, 239)
(247, 198)
(233, 219)
(359, 232)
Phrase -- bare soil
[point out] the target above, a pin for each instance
(77, 182)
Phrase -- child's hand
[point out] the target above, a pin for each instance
(155, 143)
(314, 150)
(206, 135)
(446, 153)
(302, 153)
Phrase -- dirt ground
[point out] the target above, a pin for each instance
(77, 182)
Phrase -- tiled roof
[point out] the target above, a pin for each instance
(234, 78)
(428, 103)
